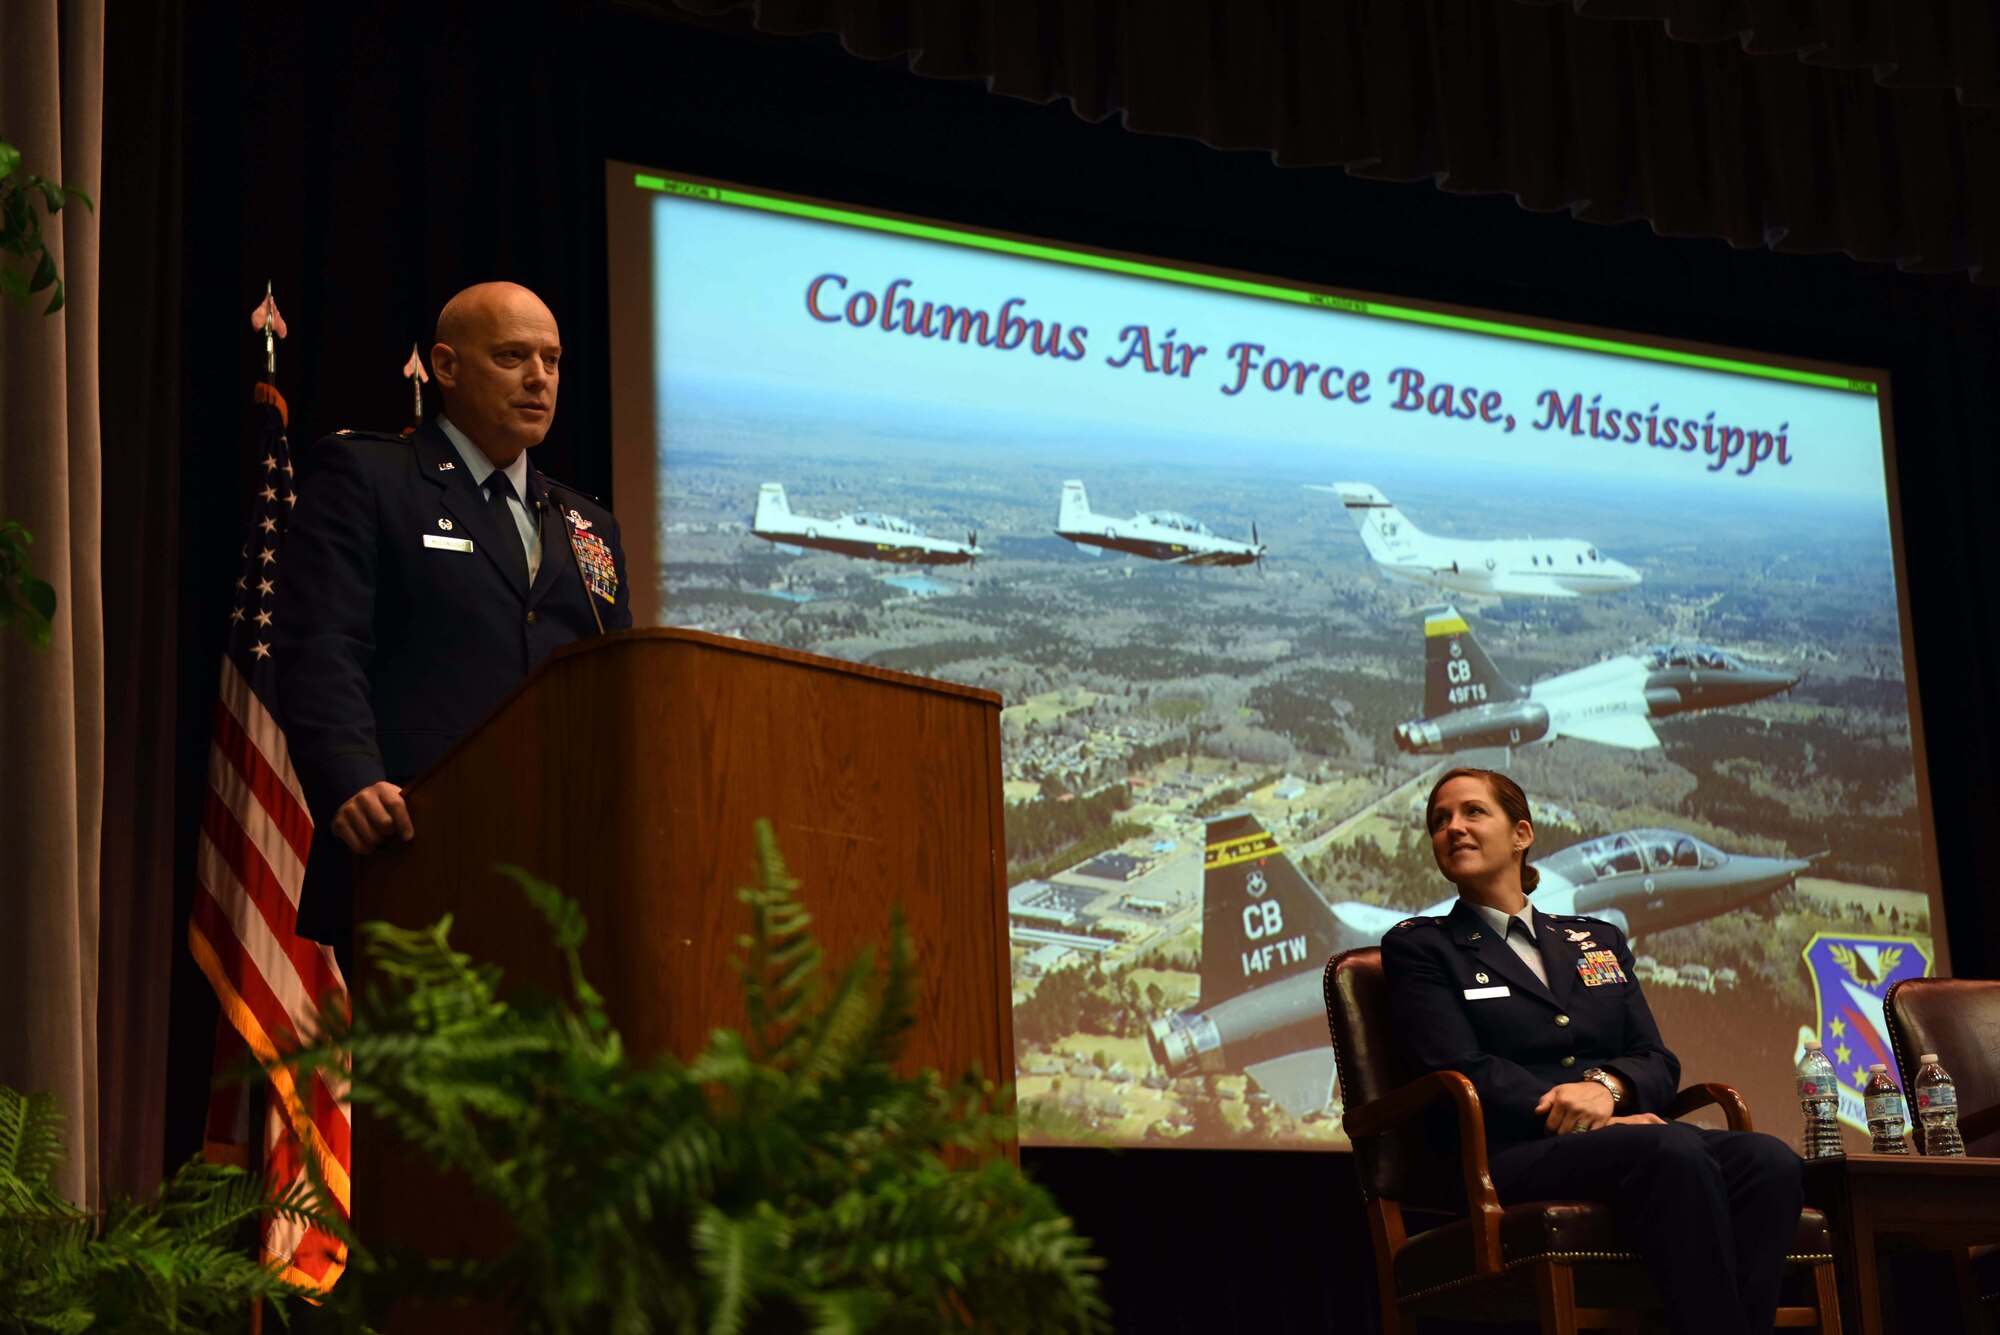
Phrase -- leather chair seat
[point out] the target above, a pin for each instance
(1437, 1260)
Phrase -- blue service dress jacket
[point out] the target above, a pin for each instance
(1461, 999)
(399, 625)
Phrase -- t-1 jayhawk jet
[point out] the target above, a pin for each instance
(1266, 934)
(1157, 535)
(877, 537)
(1500, 567)
(1468, 705)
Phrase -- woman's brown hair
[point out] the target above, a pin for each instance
(1513, 802)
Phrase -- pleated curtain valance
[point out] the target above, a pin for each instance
(1866, 127)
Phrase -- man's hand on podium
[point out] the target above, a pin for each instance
(366, 820)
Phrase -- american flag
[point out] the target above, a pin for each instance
(255, 830)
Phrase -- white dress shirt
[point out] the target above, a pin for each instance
(1522, 946)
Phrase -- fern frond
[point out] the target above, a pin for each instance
(781, 960)
(565, 918)
(844, 1311)
(167, 1264)
(838, 1035)
(722, 1252)
(31, 1138)
(896, 1012)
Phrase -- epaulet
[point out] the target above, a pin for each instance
(578, 492)
(1408, 923)
(349, 433)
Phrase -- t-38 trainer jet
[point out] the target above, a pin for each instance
(1500, 567)
(1267, 934)
(1157, 535)
(1469, 705)
(877, 537)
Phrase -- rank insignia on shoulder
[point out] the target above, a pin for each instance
(1407, 923)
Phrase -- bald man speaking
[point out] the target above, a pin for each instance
(424, 576)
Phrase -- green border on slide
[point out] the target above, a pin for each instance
(1242, 287)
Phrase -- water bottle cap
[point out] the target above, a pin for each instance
(1927, 1059)
(1812, 1045)
(1878, 1066)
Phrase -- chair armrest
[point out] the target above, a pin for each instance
(1734, 1110)
(1973, 1125)
(1482, 1201)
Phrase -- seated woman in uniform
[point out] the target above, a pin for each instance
(1542, 1014)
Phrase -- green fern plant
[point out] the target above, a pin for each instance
(784, 1179)
(169, 1264)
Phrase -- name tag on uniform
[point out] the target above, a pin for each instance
(1485, 993)
(1598, 967)
(448, 544)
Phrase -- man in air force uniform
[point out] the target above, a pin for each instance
(425, 576)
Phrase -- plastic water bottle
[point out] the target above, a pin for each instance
(1885, 1112)
(1937, 1109)
(1819, 1097)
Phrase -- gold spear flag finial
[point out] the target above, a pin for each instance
(264, 318)
(414, 372)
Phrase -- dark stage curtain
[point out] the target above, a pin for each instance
(1860, 127)
(139, 343)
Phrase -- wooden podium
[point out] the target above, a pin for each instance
(629, 771)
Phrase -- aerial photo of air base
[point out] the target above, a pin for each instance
(1231, 675)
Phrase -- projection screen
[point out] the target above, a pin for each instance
(1251, 563)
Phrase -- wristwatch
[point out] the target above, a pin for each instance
(1604, 1078)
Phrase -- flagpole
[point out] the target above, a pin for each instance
(256, 834)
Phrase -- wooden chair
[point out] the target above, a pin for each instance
(1565, 1263)
(1959, 1020)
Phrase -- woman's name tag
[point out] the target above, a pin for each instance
(1484, 993)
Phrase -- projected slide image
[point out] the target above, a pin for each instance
(1238, 635)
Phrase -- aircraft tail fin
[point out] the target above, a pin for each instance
(1457, 672)
(1074, 513)
(771, 505)
(1261, 919)
(1384, 532)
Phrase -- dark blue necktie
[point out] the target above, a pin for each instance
(513, 553)
(1517, 927)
